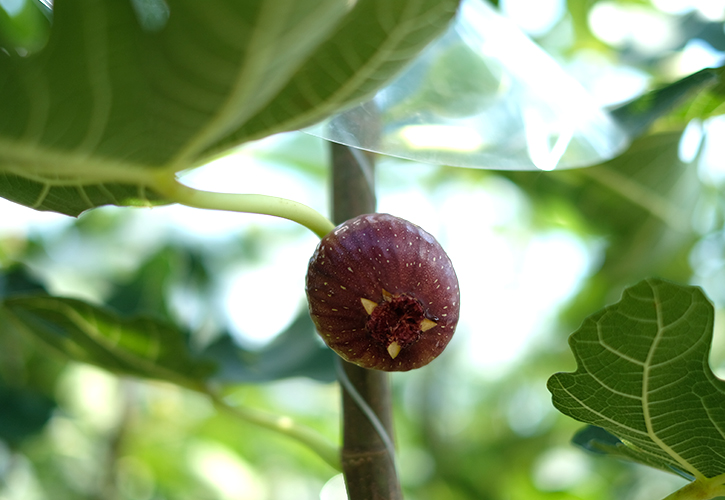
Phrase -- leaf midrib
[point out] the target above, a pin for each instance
(647, 366)
(240, 88)
(270, 27)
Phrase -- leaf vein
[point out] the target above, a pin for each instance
(41, 196)
(602, 416)
(645, 390)
(94, 29)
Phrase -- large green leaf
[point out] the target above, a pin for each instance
(139, 346)
(345, 71)
(643, 375)
(122, 94)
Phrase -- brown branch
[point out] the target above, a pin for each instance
(366, 462)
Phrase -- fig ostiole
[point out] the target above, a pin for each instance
(383, 293)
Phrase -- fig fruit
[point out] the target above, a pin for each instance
(383, 293)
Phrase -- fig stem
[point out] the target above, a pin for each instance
(327, 451)
(169, 187)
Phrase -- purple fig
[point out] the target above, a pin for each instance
(382, 293)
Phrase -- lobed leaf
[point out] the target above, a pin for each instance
(643, 375)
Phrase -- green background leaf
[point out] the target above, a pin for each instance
(636, 117)
(135, 320)
(23, 413)
(295, 352)
(643, 375)
(641, 203)
(140, 346)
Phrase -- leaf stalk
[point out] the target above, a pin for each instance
(705, 489)
(171, 188)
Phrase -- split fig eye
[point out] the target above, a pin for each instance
(383, 293)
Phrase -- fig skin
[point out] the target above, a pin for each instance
(383, 259)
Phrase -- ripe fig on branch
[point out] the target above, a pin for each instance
(383, 293)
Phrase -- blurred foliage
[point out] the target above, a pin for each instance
(640, 204)
(70, 431)
(136, 346)
(296, 352)
(23, 413)
(637, 116)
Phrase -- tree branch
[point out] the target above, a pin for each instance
(366, 462)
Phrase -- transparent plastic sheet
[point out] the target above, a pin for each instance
(482, 96)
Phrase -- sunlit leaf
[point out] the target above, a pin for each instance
(643, 375)
(23, 26)
(125, 90)
(344, 71)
